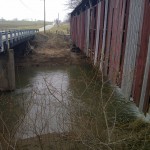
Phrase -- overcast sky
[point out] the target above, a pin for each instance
(32, 9)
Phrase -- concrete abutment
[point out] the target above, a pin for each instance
(7, 71)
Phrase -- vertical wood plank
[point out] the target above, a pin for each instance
(144, 85)
(1, 42)
(136, 12)
(108, 36)
(104, 34)
(88, 32)
(142, 54)
(101, 31)
(97, 32)
(11, 38)
(7, 43)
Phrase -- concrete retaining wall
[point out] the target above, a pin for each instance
(7, 71)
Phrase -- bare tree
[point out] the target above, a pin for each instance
(72, 4)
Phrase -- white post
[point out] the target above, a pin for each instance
(104, 34)
(88, 31)
(1, 42)
(97, 32)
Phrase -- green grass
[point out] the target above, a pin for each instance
(21, 24)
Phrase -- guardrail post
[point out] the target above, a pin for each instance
(19, 35)
(11, 70)
(30, 32)
(11, 38)
(25, 33)
(15, 36)
(7, 43)
(1, 42)
(22, 34)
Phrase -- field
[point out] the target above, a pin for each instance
(22, 24)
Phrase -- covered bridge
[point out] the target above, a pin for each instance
(115, 34)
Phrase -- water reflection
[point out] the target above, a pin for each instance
(46, 103)
(69, 101)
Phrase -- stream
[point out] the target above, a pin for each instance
(68, 107)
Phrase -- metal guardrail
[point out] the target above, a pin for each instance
(11, 38)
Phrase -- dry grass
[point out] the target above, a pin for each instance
(50, 49)
(61, 29)
(53, 40)
(21, 24)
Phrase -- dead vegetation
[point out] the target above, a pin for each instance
(63, 28)
(52, 48)
(49, 49)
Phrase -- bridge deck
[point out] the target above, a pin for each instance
(9, 39)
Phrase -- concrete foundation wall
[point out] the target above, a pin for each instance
(7, 71)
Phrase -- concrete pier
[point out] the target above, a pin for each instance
(7, 71)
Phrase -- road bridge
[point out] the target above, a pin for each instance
(8, 41)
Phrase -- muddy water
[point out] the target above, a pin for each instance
(72, 104)
(46, 100)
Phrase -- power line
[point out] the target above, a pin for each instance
(26, 6)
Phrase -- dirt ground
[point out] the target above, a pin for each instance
(48, 50)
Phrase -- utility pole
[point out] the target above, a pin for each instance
(44, 16)
(58, 16)
(58, 19)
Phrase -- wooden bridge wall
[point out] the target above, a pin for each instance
(115, 34)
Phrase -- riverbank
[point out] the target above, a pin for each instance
(49, 50)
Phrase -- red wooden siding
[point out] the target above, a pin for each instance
(141, 60)
(101, 30)
(124, 36)
(116, 40)
(93, 23)
(142, 55)
(83, 31)
(147, 96)
(110, 39)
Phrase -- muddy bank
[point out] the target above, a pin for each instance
(49, 51)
